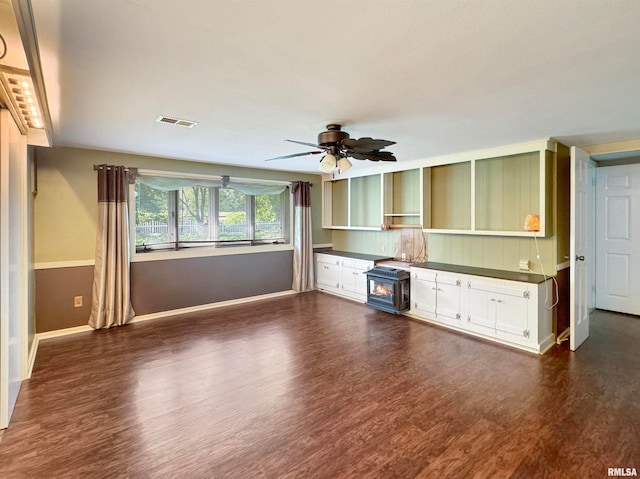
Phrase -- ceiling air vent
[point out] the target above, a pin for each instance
(176, 121)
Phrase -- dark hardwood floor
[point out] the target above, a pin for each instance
(313, 386)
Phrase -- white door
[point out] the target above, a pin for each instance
(618, 239)
(579, 246)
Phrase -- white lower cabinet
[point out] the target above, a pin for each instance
(342, 275)
(328, 271)
(436, 295)
(353, 277)
(510, 312)
(423, 292)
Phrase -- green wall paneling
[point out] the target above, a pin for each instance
(451, 196)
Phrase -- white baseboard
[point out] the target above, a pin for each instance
(161, 314)
(206, 307)
(63, 332)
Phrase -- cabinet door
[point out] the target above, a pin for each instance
(361, 278)
(353, 279)
(423, 293)
(448, 297)
(328, 272)
(512, 312)
(481, 312)
(348, 277)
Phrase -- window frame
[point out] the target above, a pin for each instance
(206, 249)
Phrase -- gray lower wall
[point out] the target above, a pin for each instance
(55, 289)
(163, 285)
(172, 284)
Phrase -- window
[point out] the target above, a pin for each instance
(175, 213)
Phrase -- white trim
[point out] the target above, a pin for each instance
(209, 306)
(181, 254)
(163, 314)
(64, 264)
(204, 251)
(562, 266)
(63, 332)
(323, 245)
(32, 355)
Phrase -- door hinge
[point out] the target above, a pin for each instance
(458, 282)
(526, 294)
(526, 333)
(457, 315)
(468, 284)
(468, 318)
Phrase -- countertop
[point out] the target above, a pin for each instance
(348, 254)
(490, 273)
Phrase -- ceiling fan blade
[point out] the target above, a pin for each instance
(294, 155)
(372, 155)
(313, 145)
(365, 144)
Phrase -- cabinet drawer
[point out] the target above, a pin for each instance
(423, 275)
(325, 258)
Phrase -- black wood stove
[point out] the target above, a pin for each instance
(388, 289)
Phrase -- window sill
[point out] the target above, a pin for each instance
(200, 252)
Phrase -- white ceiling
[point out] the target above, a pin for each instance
(436, 76)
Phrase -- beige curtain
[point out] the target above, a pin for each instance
(111, 302)
(303, 274)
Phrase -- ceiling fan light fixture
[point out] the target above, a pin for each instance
(344, 164)
(328, 163)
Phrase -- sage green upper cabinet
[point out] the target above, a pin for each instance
(340, 203)
(450, 197)
(365, 205)
(353, 203)
(507, 189)
(402, 198)
(487, 192)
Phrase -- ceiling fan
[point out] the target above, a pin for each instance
(338, 147)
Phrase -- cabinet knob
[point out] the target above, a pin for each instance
(433, 289)
(493, 299)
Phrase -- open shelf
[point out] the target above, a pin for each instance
(481, 195)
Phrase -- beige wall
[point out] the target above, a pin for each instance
(66, 204)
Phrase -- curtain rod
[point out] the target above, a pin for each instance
(127, 168)
(97, 167)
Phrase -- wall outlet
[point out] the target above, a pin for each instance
(524, 264)
(77, 301)
(382, 249)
